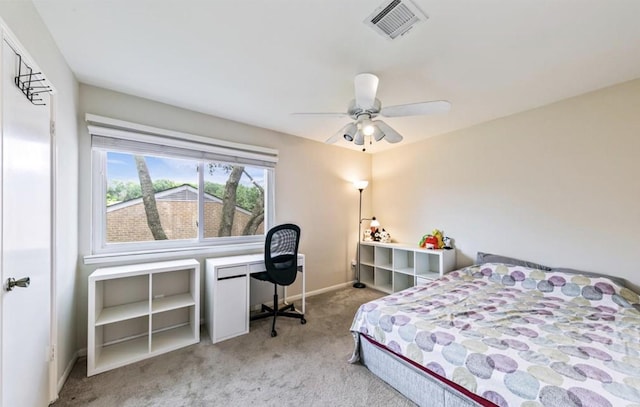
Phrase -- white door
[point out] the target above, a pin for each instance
(26, 243)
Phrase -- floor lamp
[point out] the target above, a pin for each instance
(360, 186)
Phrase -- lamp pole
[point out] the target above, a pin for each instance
(359, 284)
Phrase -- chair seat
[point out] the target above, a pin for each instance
(262, 275)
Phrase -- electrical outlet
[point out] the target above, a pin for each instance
(353, 264)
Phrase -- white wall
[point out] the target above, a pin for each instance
(24, 21)
(313, 184)
(557, 185)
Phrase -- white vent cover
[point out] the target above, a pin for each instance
(394, 19)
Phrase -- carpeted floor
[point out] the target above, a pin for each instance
(305, 365)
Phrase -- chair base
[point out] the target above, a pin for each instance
(358, 285)
(268, 312)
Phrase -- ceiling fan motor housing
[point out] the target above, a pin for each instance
(356, 111)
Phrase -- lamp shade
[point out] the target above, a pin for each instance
(374, 222)
(360, 184)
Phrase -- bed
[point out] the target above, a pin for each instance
(506, 335)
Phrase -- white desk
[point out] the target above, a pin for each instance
(227, 293)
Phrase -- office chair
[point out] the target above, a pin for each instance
(281, 262)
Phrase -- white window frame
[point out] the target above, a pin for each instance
(127, 131)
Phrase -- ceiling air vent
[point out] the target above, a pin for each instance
(394, 19)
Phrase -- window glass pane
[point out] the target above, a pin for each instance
(150, 198)
(234, 200)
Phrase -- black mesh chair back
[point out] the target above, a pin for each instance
(281, 253)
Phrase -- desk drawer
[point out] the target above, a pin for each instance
(234, 271)
(256, 267)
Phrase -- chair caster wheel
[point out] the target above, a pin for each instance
(303, 321)
(274, 334)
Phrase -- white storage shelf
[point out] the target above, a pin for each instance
(172, 302)
(392, 267)
(366, 273)
(142, 310)
(122, 312)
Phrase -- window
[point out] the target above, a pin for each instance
(152, 192)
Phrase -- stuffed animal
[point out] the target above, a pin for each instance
(438, 235)
(385, 237)
(435, 240)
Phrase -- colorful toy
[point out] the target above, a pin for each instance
(435, 240)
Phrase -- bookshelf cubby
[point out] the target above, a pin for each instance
(141, 310)
(392, 267)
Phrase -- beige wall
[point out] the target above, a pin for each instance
(312, 181)
(558, 185)
(22, 18)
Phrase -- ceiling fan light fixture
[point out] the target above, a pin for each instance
(368, 130)
(367, 127)
(358, 139)
(377, 133)
(350, 131)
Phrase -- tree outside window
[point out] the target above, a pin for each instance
(152, 198)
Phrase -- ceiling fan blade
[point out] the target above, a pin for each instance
(333, 114)
(366, 86)
(390, 134)
(340, 133)
(416, 109)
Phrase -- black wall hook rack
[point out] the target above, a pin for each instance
(32, 84)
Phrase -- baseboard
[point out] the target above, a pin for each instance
(321, 291)
(256, 307)
(69, 368)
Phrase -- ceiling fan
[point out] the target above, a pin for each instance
(366, 107)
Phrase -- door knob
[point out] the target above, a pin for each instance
(23, 282)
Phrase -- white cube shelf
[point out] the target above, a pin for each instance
(141, 310)
(392, 267)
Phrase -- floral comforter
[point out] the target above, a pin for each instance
(517, 336)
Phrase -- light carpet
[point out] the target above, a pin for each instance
(305, 365)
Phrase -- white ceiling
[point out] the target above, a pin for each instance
(257, 61)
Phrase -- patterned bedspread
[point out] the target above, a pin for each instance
(517, 336)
